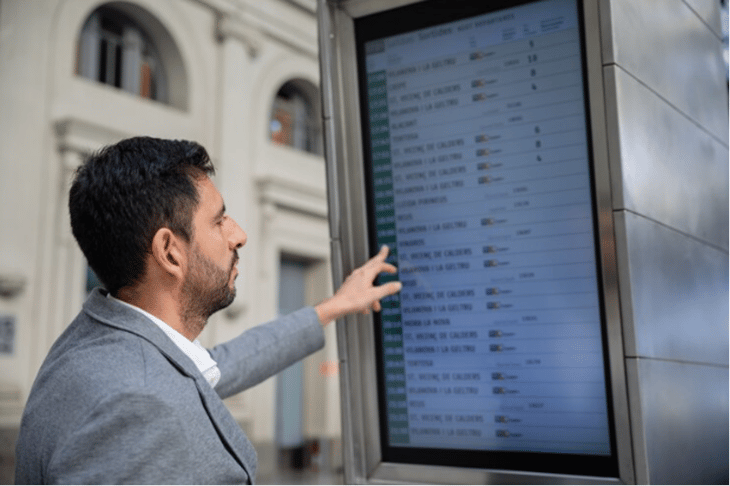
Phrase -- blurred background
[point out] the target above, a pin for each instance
(241, 77)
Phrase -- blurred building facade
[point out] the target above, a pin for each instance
(238, 76)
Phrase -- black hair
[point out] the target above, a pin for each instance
(123, 194)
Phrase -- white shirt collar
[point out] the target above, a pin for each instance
(193, 350)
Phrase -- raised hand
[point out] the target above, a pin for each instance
(357, 293)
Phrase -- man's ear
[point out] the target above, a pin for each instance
(169, 252)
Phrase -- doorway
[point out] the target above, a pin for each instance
(289, 434)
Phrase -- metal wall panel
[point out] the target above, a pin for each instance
(709, 12)
(663, 165)
(665, 45)
(676, 306)
(667, 137)
(680, 413)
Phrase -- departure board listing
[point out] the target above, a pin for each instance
(481, 186)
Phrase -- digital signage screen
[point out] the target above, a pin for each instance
(479, 177)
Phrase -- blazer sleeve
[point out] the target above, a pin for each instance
(265, 350)
(129, 438)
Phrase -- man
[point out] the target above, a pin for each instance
(127, 394)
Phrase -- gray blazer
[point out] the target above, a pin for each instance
(117, 402)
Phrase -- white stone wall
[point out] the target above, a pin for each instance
(227, 59)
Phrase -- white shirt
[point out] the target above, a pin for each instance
(193, 350)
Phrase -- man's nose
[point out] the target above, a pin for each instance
(238, 237)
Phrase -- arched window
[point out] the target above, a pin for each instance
(114, 49)
(294, 118)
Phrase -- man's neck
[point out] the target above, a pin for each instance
(162, 304)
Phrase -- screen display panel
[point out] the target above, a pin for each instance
(479, 178)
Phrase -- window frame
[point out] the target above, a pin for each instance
(127, 59)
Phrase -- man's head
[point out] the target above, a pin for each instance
(122, 195)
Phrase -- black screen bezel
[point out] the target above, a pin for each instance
(427, 14)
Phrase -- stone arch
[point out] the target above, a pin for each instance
(152, 30)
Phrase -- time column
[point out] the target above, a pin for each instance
(392, 332)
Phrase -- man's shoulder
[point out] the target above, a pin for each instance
(95, 378)
(91, 360)
(87, 343)
(92, 364)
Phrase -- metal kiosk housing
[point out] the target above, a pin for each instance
(348, 227)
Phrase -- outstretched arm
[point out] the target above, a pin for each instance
(357, 293)
(266, 349)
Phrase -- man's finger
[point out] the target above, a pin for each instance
(380, 256)
(387, 289)
(377, 264)
(384, 250)
(387, 268)
(384, 290)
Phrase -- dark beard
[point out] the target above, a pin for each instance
(205, 292)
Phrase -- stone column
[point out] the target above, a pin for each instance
(239, 46)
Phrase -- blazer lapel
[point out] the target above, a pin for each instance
(121, 317)
(230, 432)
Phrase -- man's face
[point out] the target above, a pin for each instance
(210, 280)
(207, 287)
